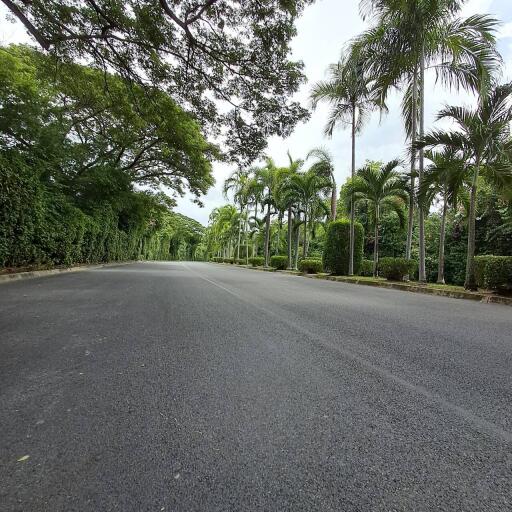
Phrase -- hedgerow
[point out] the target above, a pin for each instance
(310, 265)
(494, 272)
(279, 262)
(395, 269)
(337, 247)
(257, 261)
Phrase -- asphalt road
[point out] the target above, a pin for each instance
(199, 387)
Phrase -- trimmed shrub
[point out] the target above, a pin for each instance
(217, 259)
(494, 272)
(279, 262)
(395, 269)
(310, 265)
(336, 253)
(366, 268)
(257, 261)
(228, 260)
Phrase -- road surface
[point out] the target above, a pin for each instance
(201, 387)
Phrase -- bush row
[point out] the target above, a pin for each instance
(337, 247)
(494, 272)
(310, 265)
(279, 262)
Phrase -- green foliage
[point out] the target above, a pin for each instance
(337, 247)
(231, 261)
(494, 272)
(366, 268)
(228, 61)
(395, 269)
(279, 262)
(257, 261)
(310, 265)
(216, 259)
(73, 157)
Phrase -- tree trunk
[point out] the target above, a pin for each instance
(421, 211)
(267, 236)
(289, 241)
(376, 244)
(414, 129)
(296, 254)
(334, 194)
(352, 213)
(305, 239)
(440, 263)
(239, 233)
(246, 238)
(470, 282)
(254, 251)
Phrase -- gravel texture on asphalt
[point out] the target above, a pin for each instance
(201, 387)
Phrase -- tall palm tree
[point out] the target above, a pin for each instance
(446, 176)
(411, 36)
(381, 188)
(237, 183)
(286, 199)
(267, 177)
(483, 141)
(324, 166)
(348, 93)
(309, 189)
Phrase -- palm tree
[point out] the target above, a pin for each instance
(483, 142)
(237, 183)
(446, 176)
(286, 199)
(266, 177)
(381, 188)
(410, 37)
(308, 189)
(324, 166)
(347, 92)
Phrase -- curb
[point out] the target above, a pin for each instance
(17, 276)
(485, 298)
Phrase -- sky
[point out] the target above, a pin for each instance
(322, 31)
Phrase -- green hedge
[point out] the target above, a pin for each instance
(366, 268)
(257, 261)
(279, 262)
(494, 272)
(395, 269)
(337, 247)
(310, 265)
(216, 259)
(228, 260)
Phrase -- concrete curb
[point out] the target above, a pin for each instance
(16, 276)
(487, 298)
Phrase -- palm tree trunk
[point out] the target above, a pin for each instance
(296, 254)
(305, 239)
(376, 244)
(470, 281)
(334, 198)
(440, 263)
(290, 238)
(254, 251)
(246, 238)
(421, 211)
(414, 129)
(352, 213)
(267, 236)
(239, 233)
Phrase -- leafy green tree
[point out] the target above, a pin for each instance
(382, 188)
(203, 52)
(483, 142)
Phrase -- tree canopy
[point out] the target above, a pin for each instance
(227, 62)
